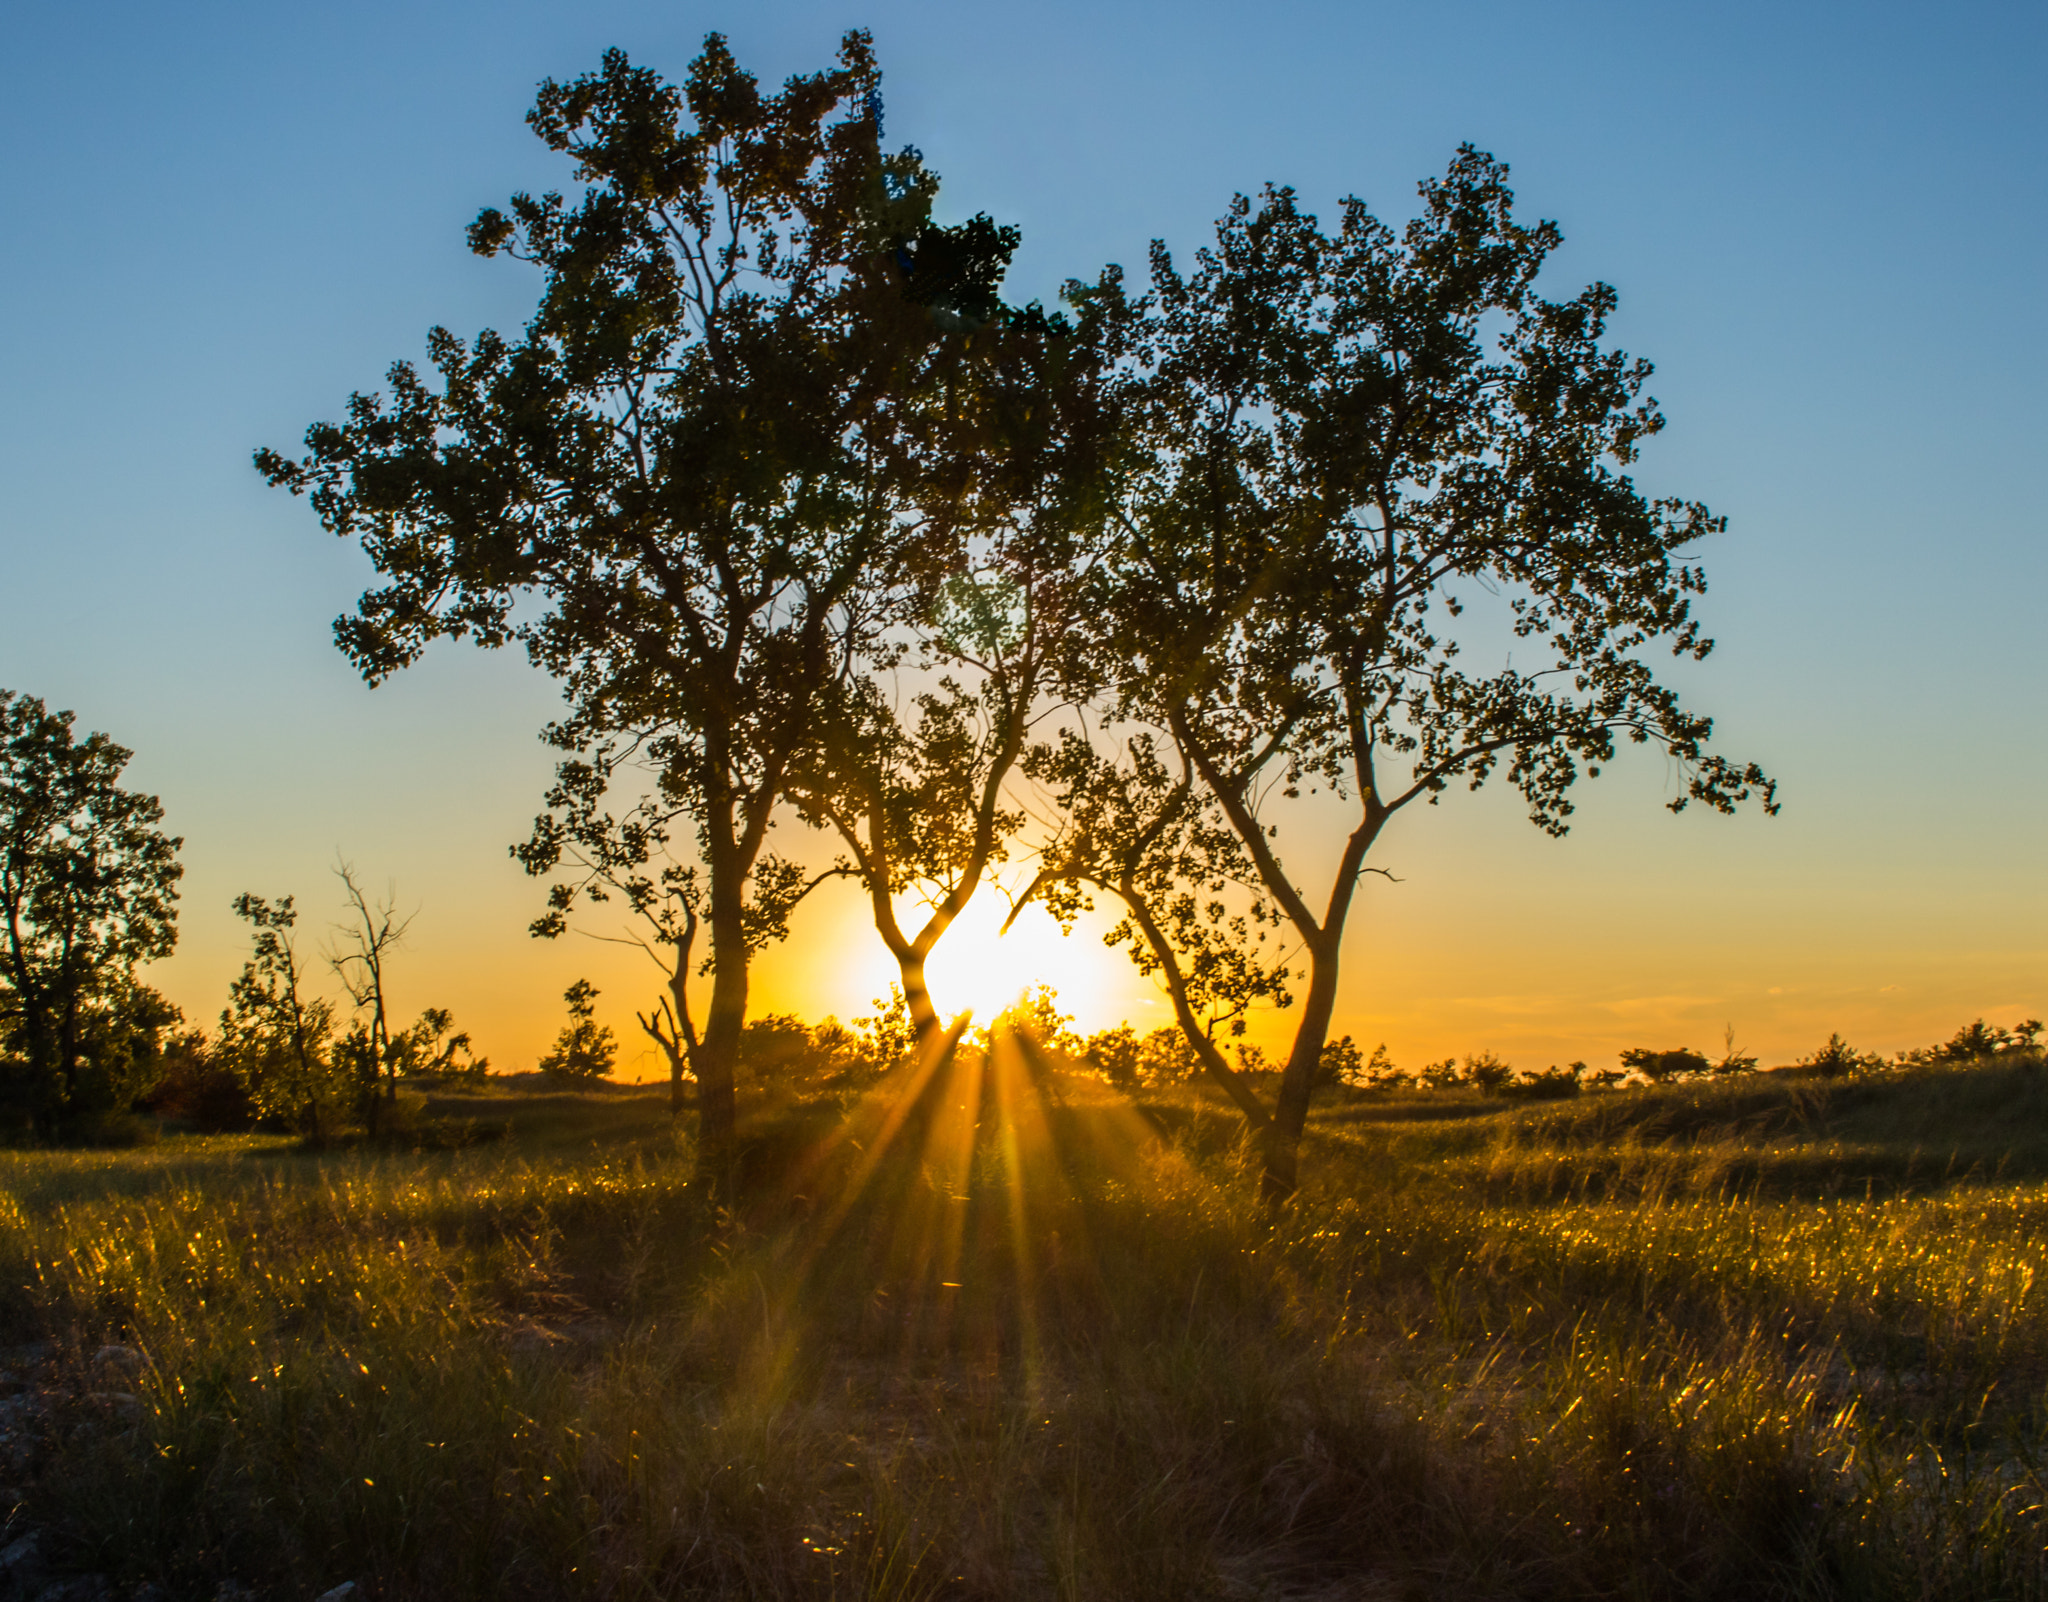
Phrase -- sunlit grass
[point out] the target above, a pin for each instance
(992, 1334)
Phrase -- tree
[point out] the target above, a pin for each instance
(1336, 442)
(434, 1046)
(88, 891)
(585, 1049)
(630, 859)
(680, 488)
(359, 962)
(277, 1040)
(921, 794)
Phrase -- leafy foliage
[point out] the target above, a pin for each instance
(88, 892)
(1333, 441)
(585, 1049)
(278, 1041)
(680, 487)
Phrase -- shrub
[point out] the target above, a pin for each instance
(199, 1088)
(1488, 1074)
(1660, 1067)
(1837, 1058)
(1552, 1084)
(1979, 1040)
(1115, 1054)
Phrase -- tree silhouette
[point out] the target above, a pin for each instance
(585, 1049)
(680, 488)
(276, 1039)
(1336, 442)
(364, 948)
(88, 890)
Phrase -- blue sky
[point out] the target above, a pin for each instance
(1826, 224)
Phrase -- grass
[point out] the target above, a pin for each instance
(1768, 1338)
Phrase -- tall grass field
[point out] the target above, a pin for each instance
(1018, 1336)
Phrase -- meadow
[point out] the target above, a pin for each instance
(1016, 1335)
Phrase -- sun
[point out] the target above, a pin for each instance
(978, 968)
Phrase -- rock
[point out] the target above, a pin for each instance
(344, 1592)
(125, 1358)
(21, 1554)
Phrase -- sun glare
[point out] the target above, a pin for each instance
(978, 968)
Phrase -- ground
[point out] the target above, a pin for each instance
(1022, 1336)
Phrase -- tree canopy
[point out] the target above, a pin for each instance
(682, 487)
(88, 892)
(1334, 517)
(1335, 441)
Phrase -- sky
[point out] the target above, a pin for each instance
(1826, 225)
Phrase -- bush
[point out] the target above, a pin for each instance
(1115, 1054)
(1837, 1058)
(1488, 1074)
(1660, 1067)
(200, 1089)
(1552, 1084)
(1977, 1041)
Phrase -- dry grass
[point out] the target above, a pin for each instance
(1016, 1338)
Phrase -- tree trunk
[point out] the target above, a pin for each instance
(917, 1000)
(1298, 1079)
(717, 1058)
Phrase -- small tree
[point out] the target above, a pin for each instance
(585, 1049)
(1115, 1054)
(434, 1046)
(360, 959)
(278, 1041)
(88, 891)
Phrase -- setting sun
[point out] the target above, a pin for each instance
(977, 968)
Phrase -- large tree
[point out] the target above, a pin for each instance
(88, 890)
(683, 486)
(1335, 442)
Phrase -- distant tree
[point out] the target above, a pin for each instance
(585, 1049)
(1379, 1072)
(360, 957)
(434, 1046)
(1115, 1054)
(1488, 1074)
(88, 892)
(1838, 1058)
(1337, 441)
(1342, 1063)
(1734, 1060)
(681, 487)
(1551, 1084)
(1979, 1040)
(1660, 1066)
(1036, 1015)
(277, 1040)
